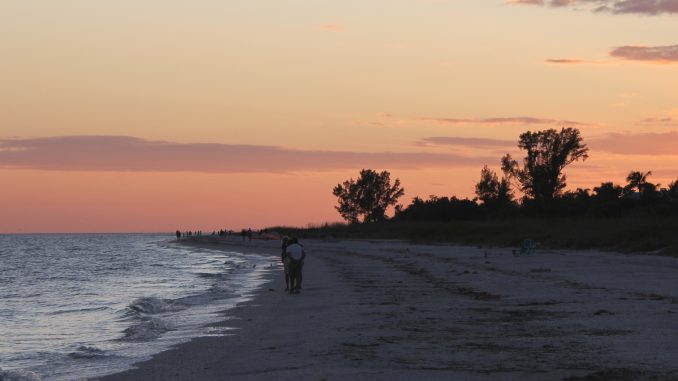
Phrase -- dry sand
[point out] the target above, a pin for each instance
(384, 310)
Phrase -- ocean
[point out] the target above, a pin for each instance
(78, 306)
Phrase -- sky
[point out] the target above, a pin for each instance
(149, 115)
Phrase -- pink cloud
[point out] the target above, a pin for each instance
(123, 153)
(656, 54)
(531, 2)
(652, 54)
(646, 7)
(617, 143)
(519, 120)
(470, 142)
(665, 143)
(568, 61)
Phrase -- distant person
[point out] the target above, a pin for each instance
(296, 254)
(178, 233)
(286, 262)
(249, 234)
(244, 234)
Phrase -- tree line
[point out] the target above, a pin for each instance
(539, 177)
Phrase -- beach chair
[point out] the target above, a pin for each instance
(529, 246)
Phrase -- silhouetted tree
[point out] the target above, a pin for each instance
(548, 153)
(607, 200)
(440, 209)
(670, 198)
(573, 203)
(369, 196)
(608, 192)
(672, 191)
(492, 191)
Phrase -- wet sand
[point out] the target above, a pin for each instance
(384, 310)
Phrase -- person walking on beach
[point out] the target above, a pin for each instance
(178, 233)
(286, 262)
(296, 255)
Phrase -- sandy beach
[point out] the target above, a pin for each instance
(385, 310)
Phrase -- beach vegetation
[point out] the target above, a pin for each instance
(439, 209)
(637, 216)
(654, 234)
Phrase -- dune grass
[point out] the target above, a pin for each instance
(657, 235)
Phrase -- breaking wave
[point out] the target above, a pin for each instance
(153, 306)
(18, 375)
(85, 352)
(146, 330)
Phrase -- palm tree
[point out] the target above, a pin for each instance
(637, 181)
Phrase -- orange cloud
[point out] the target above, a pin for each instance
(332, 27)
(123, 153)
(661, 121)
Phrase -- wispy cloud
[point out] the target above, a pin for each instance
(650, 54)
(662, 121)
(517, 120)
(566, 61)
(468, 142)
(123, 153)
(655, 54)
(645, 7)
(576, 61)
(665, 143)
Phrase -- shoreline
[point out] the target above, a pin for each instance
(392, 310)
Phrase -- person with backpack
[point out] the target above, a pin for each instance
(295, 255)
(286, 262)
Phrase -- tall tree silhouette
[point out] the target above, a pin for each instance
(369, 196)
(548, 153)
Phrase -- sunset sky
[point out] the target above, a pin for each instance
(149, 115)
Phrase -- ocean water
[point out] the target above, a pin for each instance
(81, 306)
